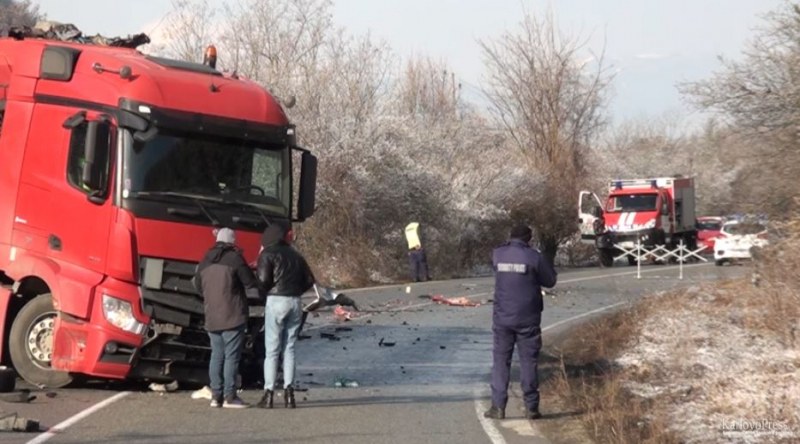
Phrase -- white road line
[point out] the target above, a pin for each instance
(63, 425)
(588, 313)
(488, 426)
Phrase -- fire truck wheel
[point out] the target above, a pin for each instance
(31, 343)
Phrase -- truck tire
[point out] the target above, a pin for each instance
(31, 344)
(606, 258)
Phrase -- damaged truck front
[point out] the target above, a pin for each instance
(117, 166)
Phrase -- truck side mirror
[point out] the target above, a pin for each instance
(96, 157)
(308, 186)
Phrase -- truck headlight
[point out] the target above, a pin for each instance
(650, 224)
(119, 313)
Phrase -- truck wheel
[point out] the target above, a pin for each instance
(606, 258)
(31, 343)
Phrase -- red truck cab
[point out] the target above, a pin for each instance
(116, 168)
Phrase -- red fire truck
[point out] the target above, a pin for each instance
(116, 168)
(657, 211)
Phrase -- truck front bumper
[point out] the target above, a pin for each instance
(649, 237)
(96, 347)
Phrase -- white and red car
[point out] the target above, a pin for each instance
(738, 239)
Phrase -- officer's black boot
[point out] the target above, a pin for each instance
(288, 398)
(532, 413)
(266, 400)
(495, 413)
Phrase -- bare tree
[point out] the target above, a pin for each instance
(758, 96)
(548, 95)
(190, 29)
(18, 13)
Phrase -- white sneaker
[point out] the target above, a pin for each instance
(203, 393)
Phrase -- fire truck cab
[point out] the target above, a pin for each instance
(657, 211)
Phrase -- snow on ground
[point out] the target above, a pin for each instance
(722, 381)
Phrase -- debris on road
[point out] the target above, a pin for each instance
(162, 388)
(344, 382)
(343, 329)
(442, 347)
(343, 314)
(302, 337)
(329, 336)
(424, 296)
(22, 396)
(10, 422)
(383, 343)
(203, 393)
(458, 302)
(51, 395)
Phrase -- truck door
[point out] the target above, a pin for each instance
(588, 206)
(64, 198)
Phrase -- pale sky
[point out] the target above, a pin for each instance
(652, 44)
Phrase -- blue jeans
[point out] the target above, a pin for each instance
(282, 317)
(226, 352)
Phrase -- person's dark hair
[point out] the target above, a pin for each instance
(521, 232)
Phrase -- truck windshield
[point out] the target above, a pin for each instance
(205, 166)
(632, 202)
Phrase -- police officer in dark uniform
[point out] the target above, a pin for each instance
(520, 272)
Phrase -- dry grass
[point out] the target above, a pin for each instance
(679, 366)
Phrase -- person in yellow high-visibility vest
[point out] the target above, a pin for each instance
(417, 260)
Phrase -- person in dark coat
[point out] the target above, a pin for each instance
(520, 272)
(285, 275)
(222, 279)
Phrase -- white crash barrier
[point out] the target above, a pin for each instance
(660, 253)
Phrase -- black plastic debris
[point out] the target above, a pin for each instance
(424, 296)
(369, 321)
(329, 336)
(303, 337)
(383, 343)
(405, 323)
(343, 329)
(442, 347)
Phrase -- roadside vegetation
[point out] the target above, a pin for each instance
(693, 365)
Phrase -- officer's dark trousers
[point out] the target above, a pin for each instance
(529, 342)
(419, 265)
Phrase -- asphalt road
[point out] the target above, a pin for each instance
(429, 387)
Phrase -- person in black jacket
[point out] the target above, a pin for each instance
(222, 279)
(285, 275)
(520, 272)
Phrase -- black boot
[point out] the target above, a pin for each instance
(266, 400)
(288, 398)
(532, 413)
(495, 413)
